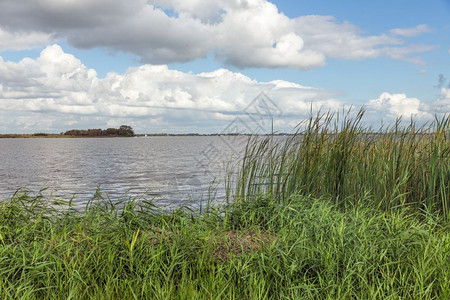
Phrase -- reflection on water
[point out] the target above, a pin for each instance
(170, 169)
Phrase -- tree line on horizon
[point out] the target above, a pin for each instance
(124, 131)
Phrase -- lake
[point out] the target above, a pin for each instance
(170, 170)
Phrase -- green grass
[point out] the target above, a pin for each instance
(302, 247)
(335, 212)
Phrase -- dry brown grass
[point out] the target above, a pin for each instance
(237, 243)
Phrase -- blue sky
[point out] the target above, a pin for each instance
(193, 66)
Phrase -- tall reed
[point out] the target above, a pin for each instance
(336, 155)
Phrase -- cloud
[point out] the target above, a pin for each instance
(442, 104)
(403, 53)
(242, 33)
(412, 31)
(58, 88)
(399, 105)
(441, 81)
(57, 92)
(21, 40)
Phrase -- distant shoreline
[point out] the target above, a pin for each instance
(140, 135)
(56, 135)
(34, 136)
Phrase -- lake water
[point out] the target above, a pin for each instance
(169, 170)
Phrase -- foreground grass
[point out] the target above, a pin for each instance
(302, 247)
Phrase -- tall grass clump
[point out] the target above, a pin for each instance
(337, 156)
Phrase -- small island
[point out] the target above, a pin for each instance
(122, 131)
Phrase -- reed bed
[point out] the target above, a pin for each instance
(304, 248)
(338, 156)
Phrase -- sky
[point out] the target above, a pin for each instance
(180, 66)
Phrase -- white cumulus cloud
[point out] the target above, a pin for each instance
(57, 87)
(399, 105)
(57, 92)
(242, 33)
